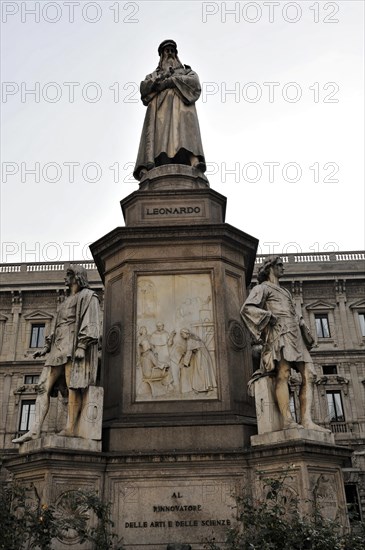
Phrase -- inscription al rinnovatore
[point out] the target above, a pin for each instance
(178, 508)
(173, 211)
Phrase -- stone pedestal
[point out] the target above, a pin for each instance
(175, 264)
(310, 470)
(180, 498)
(177, 418)
(55, 441)
(156, 499)
(185, 497)
(292, 434)
(267, 412)
(306, 461)
(90, 421)
(53, 469)
(269, 420)
(173, 195)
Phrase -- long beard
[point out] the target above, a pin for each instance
(168, 62)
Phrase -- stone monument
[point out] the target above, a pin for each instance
(176, 356)
(305, 448)
(179, 424)
(269, 314)
(72, 363)
(171, 133)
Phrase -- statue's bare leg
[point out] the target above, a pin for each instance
(74, 405)
(282, 394)
(47, 380)
(306, 397)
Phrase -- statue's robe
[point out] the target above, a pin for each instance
(284, 339)
(159, 341)
(197, 357)
(171, 126)
(77, 326)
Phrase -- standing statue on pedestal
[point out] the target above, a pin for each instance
(171, 133)
(269, 314)
(72, 353)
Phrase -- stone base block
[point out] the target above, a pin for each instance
(267, 412)
(156, 499)
(173, 176)
(90, 422)
(53, 475)
(308, 471)
(167, 207)
(185, 498)
(175, 498)
(189, 279)
(173, 194)
(292, 434)
(59, 442)
(191, 438)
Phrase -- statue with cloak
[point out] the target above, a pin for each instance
(171, 133)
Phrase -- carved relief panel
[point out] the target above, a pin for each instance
(175, 338)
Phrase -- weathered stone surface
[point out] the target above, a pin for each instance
(173, 207)
(155, 512)
(271, 316)
(267, 412)
(292, 434)
(304, 272)
(156, 499)
(180, 362)
(171, 129)
(191, 277)
(309, 470)
(59, 442)
(163, 498)
(91, 416)
(72, 356)
(173, 176)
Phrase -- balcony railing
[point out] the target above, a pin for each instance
(297, 258)
(318, 257)
(356, 427)
(57, 266)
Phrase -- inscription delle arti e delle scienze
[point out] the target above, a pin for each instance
(177, 523)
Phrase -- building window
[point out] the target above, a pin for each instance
(37, 336)
(31, 379)
(27, 415)
(362, 323)
(329, 369)
(352, 502)
(293, 410)
(322, 326)
(335, 408)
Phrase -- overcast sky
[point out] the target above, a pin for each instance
(281, 118)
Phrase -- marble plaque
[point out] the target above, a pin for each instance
(175, 340)
(180, 512)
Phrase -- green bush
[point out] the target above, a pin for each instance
(274, 523)
(28, 524)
